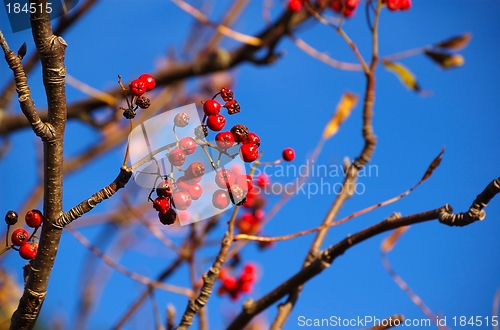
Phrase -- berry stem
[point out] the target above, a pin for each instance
(7, 236)
(7, 248)
(209, 158)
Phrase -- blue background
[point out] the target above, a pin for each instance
(454, 270)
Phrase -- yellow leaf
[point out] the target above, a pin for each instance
(344, 108)
(389, 243)
(405, 75)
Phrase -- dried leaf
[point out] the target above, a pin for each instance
(389, 243)
(344, 108)
(405, 75)
(444, 60)
(22, 51)
(435, 163)
(455, 43)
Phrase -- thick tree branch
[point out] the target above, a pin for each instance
(51, 50)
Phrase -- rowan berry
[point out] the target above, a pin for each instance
(168, 218)
(220, 199)
(195, 191)
(232, 107)
(405, 4)
(263, 181)
(237, 194)
(195, 170)
(226, 94)
(161, 205)
(177, 157)
(252, 139)
(33, 218)
(181, 119)
(249, 152)
(224, 140)
(28, 251)
(216, 123)
(224, 178)
(393, 5)
(164, 189)
(143, 102)
(148, 80)
(240, 133)
(183, 183)
(188, 145)
(288, 154)
(211, 107)
(137, 87)
(181, 200)
(295, 5)
(19, 237)
(11, 217)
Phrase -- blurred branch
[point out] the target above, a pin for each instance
(136, 277)
(217, 60)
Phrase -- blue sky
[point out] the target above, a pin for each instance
(454, 270)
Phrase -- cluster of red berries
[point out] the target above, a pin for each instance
(137, 88)
(179, 193)
(20, 238)
(235, 287)
(395, 5)
(249, 222)
(345, 7)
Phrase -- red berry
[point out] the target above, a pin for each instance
(405, 4)
(161, 205)
(240, 133)
(246, 287)
(188, 145)
(249, 152)
(348, 12)
(232, 107)
(183, 183)
(253, 139)
(393, 5)
(351, 4)
(34, 218)
(226, 94)
(195, 191)
(229, 283)
(295, 5)
(177, 157)
(181, 200)
(137, 87)
(224, 178)
(19, 237)
(181, 119)
(149, 81)
(168, 218)
(216, 123)
(288, 154)
(28, 251)
(337, 5)
(263, 181)
(195, 170)
(220, 199)
(249, 269)
(244, 181)
(211, 107)
(224, 140)
(164, 189)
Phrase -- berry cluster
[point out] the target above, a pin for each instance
(345, 7)
(395, 5)
(179, 193)
(137, 88)
(20, 238)
(249, 222)
(235, 287)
